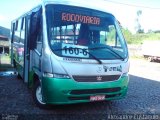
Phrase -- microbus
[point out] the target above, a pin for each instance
(69, 52)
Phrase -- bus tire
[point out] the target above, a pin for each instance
(37, 95)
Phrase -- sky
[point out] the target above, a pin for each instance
(124, 10)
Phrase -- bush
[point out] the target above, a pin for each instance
(138, 38)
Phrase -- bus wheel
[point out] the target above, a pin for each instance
(37, 95)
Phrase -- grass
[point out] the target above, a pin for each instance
(137, 57)
(4, 59)
(139, 38)
(5, 63)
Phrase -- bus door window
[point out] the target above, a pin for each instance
(17, 39)
(34, 28)
(36, 38)
(22, 38)
(39, 38)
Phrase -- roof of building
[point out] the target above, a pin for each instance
(3, 38)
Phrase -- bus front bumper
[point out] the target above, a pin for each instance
(68, 91)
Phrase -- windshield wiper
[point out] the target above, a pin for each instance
(109, 48)
(84, 50)
(99, 61)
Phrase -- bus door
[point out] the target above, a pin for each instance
(33, 41)
(12, 38)
(27, 50)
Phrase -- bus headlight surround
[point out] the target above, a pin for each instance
(55, 75)
(125, 75)
(61, 76)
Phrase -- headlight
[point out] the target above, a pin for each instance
(124, 74)
(60, 75)
(50, 75)
(55, 75)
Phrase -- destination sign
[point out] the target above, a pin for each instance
(71, 17)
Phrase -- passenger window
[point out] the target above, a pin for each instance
(23, 31)
(17, 31)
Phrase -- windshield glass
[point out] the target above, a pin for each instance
(84, 33)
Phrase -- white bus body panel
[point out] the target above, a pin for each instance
(88, 67)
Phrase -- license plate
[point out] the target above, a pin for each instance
(97, 98)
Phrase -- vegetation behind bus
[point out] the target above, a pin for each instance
(139, 38)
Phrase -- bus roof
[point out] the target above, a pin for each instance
(92, 4)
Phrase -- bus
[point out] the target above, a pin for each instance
(69, 53)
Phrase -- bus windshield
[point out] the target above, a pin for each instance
(84, 33)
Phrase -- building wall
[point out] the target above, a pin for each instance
(4, 45)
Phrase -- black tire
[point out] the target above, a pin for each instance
(37, 95)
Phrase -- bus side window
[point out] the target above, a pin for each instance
(12, 32)
(23, 31)
(17, 31)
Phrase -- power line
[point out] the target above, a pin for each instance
(133, 5)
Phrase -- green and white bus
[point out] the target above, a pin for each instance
(70, 53)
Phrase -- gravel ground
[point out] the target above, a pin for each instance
(143, 98)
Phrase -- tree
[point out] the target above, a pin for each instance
(138, 27)
(128, 35)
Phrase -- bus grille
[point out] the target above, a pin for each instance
(96, 78)
(95, 91)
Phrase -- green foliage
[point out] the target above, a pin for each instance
(139, 38)
(4, 62)
(4, 58)
(111, 35)
(128, 36)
